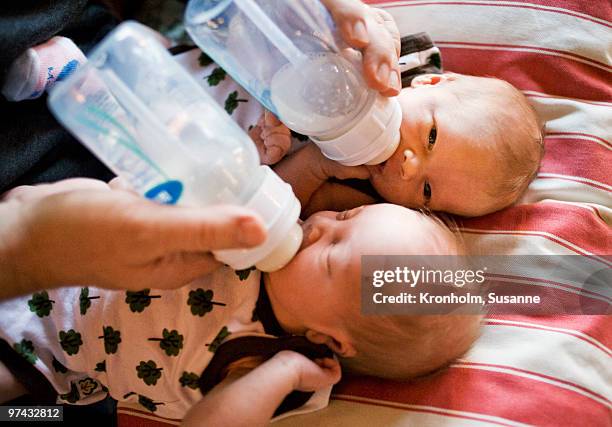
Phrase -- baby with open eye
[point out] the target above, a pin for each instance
(468, 146)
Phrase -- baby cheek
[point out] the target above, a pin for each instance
(394, 191)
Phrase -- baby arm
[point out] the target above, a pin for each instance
(334, 196)
(250, 400)
(308, 169)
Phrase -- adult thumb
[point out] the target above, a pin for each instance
(191, 229)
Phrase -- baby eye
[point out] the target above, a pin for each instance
(342, 215)
(433, 134)
(427, 191)
(348, 214)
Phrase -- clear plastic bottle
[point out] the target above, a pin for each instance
(289, 55)
(151, 123)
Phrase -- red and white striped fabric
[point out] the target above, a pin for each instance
(547, 371)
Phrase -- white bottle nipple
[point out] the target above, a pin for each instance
(279, 209)
(284, 252)
(384, 155)
(372, 139)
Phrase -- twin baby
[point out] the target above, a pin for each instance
(469, 146)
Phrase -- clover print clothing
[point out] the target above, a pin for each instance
(146, 347)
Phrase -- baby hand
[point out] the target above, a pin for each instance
(272, 138)
(325, 168)
(310, 375)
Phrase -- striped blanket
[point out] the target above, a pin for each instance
(548, 371)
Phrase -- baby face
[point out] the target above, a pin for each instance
(320, 288)
(443, 162)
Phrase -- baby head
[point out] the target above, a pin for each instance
(468, 146)
(318, 293)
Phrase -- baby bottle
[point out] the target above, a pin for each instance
(151, 123)
(289, 55)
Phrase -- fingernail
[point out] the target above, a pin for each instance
(249, 232)
(394, 81)
(359, 32)
(383, 73)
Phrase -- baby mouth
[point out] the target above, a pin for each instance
(306, 230)
(378, 169)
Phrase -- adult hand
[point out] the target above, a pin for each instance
(83, 232)
(374, 32)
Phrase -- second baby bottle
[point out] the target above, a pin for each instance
(289, 55)
(151, 123)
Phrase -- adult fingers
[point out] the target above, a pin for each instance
(391, 30)
(380, 56)
(173, 228)
(30, 192)
(374, 32)
(121, 184)
(180, 269)
(350, 19)
(391, 27)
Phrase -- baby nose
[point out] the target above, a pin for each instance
(410, 165)
(312, 233)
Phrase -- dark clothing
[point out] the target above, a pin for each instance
(34, 148)
(414, 45)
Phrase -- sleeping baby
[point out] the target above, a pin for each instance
(468, 145)
(160, 348)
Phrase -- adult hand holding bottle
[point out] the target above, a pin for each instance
(374, 32)
(367, 29)
(85, 232)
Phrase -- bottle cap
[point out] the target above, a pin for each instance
(372, 140)
(279, 209)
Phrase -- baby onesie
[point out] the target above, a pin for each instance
(147, 348)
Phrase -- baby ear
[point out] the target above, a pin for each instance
(431, 79)
(342, 348)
